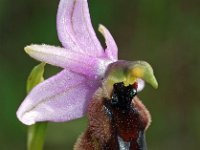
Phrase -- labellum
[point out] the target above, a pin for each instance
(116, 122)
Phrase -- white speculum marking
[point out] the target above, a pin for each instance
(122, 144)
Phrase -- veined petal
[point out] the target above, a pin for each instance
(112, 49)
(62, 97)
(84, 64)
(75, 29)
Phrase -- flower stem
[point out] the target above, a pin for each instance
(36, 132)
(36, 136)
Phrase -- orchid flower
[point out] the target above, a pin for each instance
(86, 65)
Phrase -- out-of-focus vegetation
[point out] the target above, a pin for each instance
(166, 33)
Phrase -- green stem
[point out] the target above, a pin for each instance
(36, 132)
(36, 136)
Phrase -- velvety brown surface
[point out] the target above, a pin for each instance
(103, 129)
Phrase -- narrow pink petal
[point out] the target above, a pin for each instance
(84, 64)
(75, 29)
(112, 49)
(62, 97)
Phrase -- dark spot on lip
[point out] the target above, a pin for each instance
(122, 96)
(125, 121)
(121, 99)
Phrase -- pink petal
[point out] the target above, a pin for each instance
(111, 50)
(84, 64)
(62, 97)
(75, 29)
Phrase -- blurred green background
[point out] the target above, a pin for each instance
(166, 33)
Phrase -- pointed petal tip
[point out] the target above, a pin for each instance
(112, 49)
(31, 48)
(27, 49)
(101, 28)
